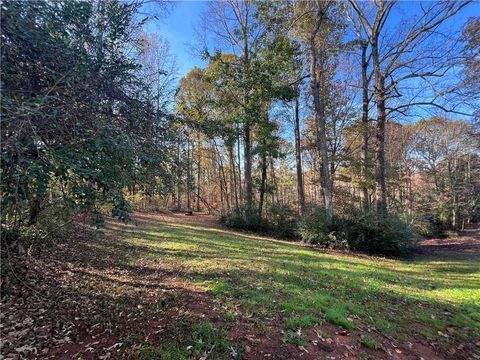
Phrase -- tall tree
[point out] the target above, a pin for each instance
(233, 22)
(317, 29)
(402, 58)
(298, 152)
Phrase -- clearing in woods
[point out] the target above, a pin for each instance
(178, 287)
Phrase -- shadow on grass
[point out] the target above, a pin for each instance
(265, 273)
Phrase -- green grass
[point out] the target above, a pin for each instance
(168, 352)
(188, 340)
(302, 322)
(293, 338)
(264, 276)
(337, 314)
(206, 338)
(368, 342)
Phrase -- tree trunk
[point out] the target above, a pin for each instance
(319, 110)
(223, 178)
(179, 179)
(380, 187)
(298, 158)
(199, 173)
(262, 184)
(247, 145)
(233, 175)
(332, 177)
(248, 168)
(189, 176)
(34, 211)
(364, 153)
(275, 183)
(240, 183)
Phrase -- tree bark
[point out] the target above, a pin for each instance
(189, 176)
(179, 179)
(247, 130)
(233, 175)
(199, 173)
(240, 183)
(262, 184)
(365, 126)
(222, 176)
(275, 183)
(34, 211)
(248, 168)
(298, 158)
(380, 187)
(319, 110)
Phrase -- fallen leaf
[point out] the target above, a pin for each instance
(303, 348)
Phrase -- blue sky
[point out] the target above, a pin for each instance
(179, 28)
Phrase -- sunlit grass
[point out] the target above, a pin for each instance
(265, 275)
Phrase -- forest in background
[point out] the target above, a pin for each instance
(345, 124)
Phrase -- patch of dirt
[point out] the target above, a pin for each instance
(86, 299)
(468, 242)
(327, 341)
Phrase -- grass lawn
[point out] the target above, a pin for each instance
(435, 298)
(177, 287)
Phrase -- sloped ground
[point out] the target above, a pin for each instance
(177, 287)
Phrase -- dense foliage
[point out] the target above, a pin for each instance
(78, 123)
(280, 221)
(371, 232)
(317, 227)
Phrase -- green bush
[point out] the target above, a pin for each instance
(245, 218)
(371, 232)
(279, 220)
(282, 221)
(383, 234)
(316, 227)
